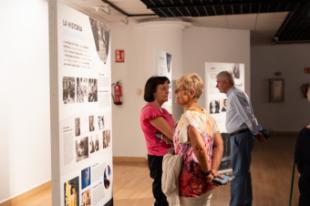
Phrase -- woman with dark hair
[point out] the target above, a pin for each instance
(302, 157)
(157, 125)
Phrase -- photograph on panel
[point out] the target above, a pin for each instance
(224, 105)
(86, 177)
(92, 90)
(107, 177)
(91, 122)
(82, 89)
(168, 58)
(214, 107)
(86, 198)
(236, 71)
(100, 122)
(101, 38)
(68, 91)
(71, 192)
(77, 125)
(106, 138)
(81, 147)
(94, 143)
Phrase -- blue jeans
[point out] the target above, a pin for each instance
(241, 186)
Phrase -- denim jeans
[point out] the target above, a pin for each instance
(241, 186)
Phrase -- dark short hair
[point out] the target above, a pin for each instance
(151, 85)
(304, 89)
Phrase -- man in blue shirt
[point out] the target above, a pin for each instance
(242, 125)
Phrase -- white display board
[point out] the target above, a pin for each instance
(164, 68)
(216, 102)
(80, 109)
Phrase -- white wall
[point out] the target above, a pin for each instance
(190, 48)
(24, 89)
(142, 44)
(290, 59)
(203, 45)
(24, 83)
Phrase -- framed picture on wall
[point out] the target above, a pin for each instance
(276, 90)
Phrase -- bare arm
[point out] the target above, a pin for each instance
(162, 125)
(218, 149)
(199, 148)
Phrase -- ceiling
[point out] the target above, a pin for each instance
(280, 20)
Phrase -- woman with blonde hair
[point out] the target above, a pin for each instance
(198, 141)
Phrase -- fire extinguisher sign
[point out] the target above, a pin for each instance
(119, 56)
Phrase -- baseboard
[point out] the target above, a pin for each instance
(20, 198)
(47, 185)
(285, 133)
(119, 160)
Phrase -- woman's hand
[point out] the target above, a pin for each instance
(214, 172)
(166, 140)
(210, 177)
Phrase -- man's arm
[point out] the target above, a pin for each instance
(244, 110)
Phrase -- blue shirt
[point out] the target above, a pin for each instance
(240, 113)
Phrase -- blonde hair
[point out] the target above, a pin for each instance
(225, 75)
(191, 82)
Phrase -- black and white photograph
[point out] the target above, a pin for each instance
(68, 90)
(100, 122)
(94, 143)
(81, 148)
(168, 58)
(82, 89)
(77, 125)
(92, 90)
(102, 39)
(214, 107)
(224, 105)
(106, 138)
(236, 71)
(91, 122)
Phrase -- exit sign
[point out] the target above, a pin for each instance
(307, 70)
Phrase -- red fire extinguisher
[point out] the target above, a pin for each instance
(117, 93)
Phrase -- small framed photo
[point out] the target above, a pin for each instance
(276, 90)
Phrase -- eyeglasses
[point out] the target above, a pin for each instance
(179, 89)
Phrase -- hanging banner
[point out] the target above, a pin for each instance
(164, 68)
(216, 102)
(81, 110)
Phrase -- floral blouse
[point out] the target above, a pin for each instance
(192, 181)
